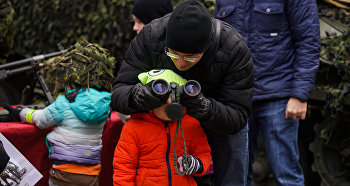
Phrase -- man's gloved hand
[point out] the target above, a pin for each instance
(198, 107)
(13, 114)
(195, 165)
(144, 99)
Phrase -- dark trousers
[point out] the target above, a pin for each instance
(230, 158)
(280, 140)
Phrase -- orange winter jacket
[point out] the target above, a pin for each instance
(144, 154)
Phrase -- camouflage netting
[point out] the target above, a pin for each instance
(333, 74)
(85, 64)
(342, 15)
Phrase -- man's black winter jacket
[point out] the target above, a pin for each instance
(225, 73)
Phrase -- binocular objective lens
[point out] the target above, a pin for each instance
(160, 88)
(192, 89)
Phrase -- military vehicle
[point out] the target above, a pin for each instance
(329, 104)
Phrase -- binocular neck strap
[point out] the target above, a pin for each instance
(185, 150)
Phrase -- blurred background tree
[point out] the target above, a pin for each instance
(41, 25)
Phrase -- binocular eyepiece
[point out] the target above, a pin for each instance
(161, 88)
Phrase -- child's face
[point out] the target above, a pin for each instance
(138, 24)
(160, 111)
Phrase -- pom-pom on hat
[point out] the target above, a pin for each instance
(189, 28)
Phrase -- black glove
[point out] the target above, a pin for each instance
(13, 114)
(195, 165)
(144, 99)
(198, 107)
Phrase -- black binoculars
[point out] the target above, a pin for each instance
(161, 88)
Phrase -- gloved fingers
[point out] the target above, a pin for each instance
(23, 114)
(145, 100)
(179, 160)
(190, 162)
(148, 102)
(192, 101)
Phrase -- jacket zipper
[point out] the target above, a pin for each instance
(168, 151)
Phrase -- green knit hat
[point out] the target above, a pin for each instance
(167, 75)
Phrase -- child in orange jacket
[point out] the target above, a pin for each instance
(145, 151)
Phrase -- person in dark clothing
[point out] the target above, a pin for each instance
(195, 46)
(284, 39)
(4, 157)
(144, 11)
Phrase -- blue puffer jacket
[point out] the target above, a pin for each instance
(284, 39)
(78, 126)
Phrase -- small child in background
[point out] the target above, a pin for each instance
(78, 117)
(145, 151)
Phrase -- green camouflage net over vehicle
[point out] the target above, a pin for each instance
(85, 64)
(333, 77)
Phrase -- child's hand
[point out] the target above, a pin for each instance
(193, 166)
(26, 115)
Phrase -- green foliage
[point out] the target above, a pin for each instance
(41, 25)
(6, 30)
(333, 75)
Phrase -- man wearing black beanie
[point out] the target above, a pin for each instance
(144, 11)
(197, 47)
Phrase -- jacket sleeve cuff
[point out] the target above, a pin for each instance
(200, 170)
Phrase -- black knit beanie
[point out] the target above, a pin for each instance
(189, 28)
(147, 10)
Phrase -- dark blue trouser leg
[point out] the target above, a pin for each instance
(230, 157)
(280, 139)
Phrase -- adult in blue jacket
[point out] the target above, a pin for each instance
(284, 39)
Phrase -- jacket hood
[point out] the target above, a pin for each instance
(92, 106)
